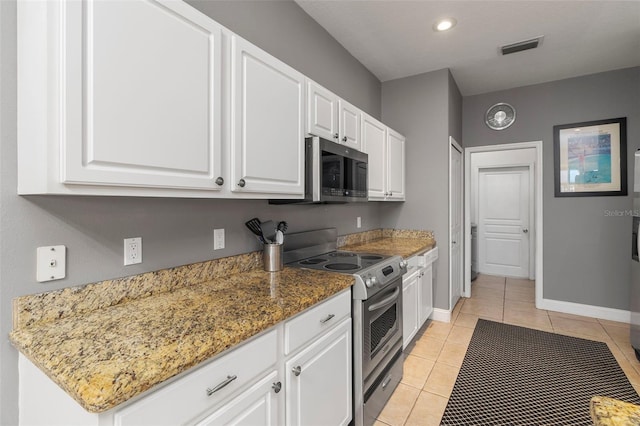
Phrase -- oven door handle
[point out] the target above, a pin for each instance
(386, 301)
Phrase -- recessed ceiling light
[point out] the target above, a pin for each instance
(444, 24)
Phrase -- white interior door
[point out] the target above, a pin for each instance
(456, 262)
(503, 228)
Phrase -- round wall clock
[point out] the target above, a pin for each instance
(500, 116)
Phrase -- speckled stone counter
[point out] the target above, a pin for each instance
(115, 349)
(612, 412)
(405, 243)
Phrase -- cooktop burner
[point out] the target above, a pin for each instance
(346, 261)
(341, 266)
(313, 261)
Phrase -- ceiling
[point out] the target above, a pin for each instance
(395, 38)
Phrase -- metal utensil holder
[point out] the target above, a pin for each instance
(272, 257)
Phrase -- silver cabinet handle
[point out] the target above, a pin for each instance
(386, 381)
(336, 136)
(344, 139)
(296, 370)
(525, 230)
(328, 318)
(229, 379)
(219, 181)
(241, 183)
(277, 386)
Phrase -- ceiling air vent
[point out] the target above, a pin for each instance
(521, 45)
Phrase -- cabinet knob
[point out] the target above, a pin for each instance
(277, 386)
(344, 139)
(241, 183)
(229, 379)
(336, 136)
(525, 230)
(296, 370)
(390, 194)
(219, 181)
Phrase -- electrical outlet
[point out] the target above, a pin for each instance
(218, 239)
(51, 263)
(358, 222)
(132, 251)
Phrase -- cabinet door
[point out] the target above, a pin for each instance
(409, 308)
(395, 166)
(350, 122)
(140, 87)
(267, 129)
(426, 294)
(319, 381)
(255, 406)
(374, 135)
(322, 112)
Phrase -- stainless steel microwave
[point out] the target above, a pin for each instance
(334, 173)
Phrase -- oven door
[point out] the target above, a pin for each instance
(382, 325)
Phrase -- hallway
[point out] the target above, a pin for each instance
(434, 359)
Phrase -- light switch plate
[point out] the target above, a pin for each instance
(51, 263)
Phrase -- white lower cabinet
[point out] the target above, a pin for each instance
(318, 381)
(257, 405)
(253, 384)
(409, 308)
(417, 294)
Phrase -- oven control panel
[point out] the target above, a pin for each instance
(375, 278)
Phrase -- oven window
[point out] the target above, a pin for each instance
(381, 326)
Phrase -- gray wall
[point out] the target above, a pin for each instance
(585, 253)
(420, 107)
(286, 31)
(174, 231)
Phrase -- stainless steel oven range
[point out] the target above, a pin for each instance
(376, 310)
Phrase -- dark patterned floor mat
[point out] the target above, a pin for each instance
(518, 376)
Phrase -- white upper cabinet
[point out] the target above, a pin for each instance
(331, 117)
(385, 148)
(267, 123)
(124, 94)
(350, 123)
(322, 112)
(395, 165)
(374, 137)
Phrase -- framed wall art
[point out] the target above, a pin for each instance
(590, 158)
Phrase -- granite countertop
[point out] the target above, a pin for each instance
(612, 412)
(106, 356)
(405, 246)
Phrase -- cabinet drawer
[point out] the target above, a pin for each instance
(312, 323)
(189, 396)
(429, 257)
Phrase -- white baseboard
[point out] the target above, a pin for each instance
(585, 310)
(442, 315)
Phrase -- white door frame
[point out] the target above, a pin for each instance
(456, 145)
(536, 176)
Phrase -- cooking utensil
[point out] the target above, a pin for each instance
(268, 228)
(282, 227)
(254, 226)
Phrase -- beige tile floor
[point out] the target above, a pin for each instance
(433, 360)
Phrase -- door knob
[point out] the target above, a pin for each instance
(525, 230)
